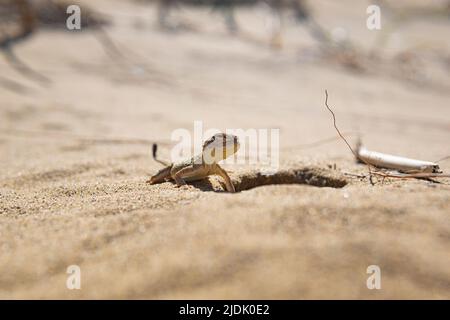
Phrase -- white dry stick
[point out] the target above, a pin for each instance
(401, 164)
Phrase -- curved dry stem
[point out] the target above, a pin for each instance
(373, 170)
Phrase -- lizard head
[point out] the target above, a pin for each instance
(219, 147)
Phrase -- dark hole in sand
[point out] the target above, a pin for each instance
(305, 176)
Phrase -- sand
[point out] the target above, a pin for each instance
(75, 155)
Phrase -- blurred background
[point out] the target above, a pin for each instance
(245, 64)
(229, 63)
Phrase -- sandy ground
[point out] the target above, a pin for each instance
(75, 155)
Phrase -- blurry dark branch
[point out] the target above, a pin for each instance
(13, 85)
(108, 44)
(121, 54)
(303, 14)
(27, 22)
(53, 15)
(25, 17)
(22, 68)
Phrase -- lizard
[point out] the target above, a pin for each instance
(219, 147)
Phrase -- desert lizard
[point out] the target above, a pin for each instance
(217, 148)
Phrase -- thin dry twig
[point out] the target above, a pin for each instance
(22, 68)
(361, 176)
(343, 138)
(335, 126)
(443, 159)
(13, 86)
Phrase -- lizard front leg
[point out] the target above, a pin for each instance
(221, 172)
(179, 175)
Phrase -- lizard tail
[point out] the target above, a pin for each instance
(154, 149)
(160, 176)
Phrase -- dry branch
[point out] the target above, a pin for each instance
(27, 21)
(391, 160)
(22, 68)
(401, 164)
